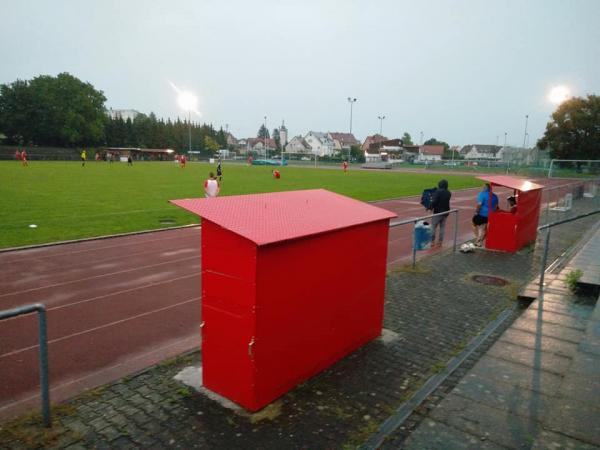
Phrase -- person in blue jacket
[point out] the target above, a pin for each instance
(482, 210)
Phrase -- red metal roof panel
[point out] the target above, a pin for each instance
(520, 184)
(279, 216)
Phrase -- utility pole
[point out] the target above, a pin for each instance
(381, 124)
(351, 100)
(189, 130)
(525, 135)
(265, 140)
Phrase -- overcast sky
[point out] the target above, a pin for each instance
(463, 71)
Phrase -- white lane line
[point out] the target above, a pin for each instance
(98, 276)
(124, 291)
(52, 270)
(93, 249)
(106, 325)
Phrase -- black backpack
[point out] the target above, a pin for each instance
(426, 197)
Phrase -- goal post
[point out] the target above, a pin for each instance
(574, 168)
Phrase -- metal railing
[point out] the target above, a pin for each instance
(557, 194)
(417, 219)
(41, 310)
(549, 227)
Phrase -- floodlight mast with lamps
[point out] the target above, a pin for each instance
(351, 100)
(559, 94)
(188, 102)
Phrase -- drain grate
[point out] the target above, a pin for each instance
(489, 280)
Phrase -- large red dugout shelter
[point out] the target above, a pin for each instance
(291, 282)
(508, 231)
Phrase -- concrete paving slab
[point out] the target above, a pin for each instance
(575, 419)
(540, 359)
(522, 376)
(537, 342)
(498, 426)
(437, 436)
(591, 345)
(547, 440)
(505, 396)
(586, 364)
(584, 388)
(553, 317)
(549, 329)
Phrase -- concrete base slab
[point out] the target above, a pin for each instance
(192, 376)
(388, 336)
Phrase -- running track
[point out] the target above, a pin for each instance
(118, 305)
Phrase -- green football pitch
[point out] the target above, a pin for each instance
(66, 201)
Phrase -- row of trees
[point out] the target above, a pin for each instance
(64, 111)
(150, 132)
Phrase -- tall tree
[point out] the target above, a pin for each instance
(263, 132)
(406, 139)
(277, 139)
(221, 138)
(61, 110)
(210, 144)
(574, 131)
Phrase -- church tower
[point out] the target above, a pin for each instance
(283, 134)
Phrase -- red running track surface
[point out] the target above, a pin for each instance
(118, 305)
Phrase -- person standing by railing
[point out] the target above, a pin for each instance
(482, 210)
(440, 202)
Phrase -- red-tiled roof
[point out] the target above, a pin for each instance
(432, 150)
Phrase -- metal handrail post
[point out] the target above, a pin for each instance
(544, 261)
(548, 207)
(455, 230)
(43, 340)
(44, 382)
(414, 248)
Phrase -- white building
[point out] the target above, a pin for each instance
(321, 144)
(430, 153)
(122, 113)
(283, 135)
(492, 152)
(297, 145)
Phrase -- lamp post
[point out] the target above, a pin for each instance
(525, 135)
(507, 155)
(265, 140)
(189, 131)
(188, 102)
(421, 141)
(381, 125)
(351, 100)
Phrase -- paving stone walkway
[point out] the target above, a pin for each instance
(538, 386)
(430, 315)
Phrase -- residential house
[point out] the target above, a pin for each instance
(491, 152)
(260, 145)
(320, 143)
(298, 145)
(231, 140)
(343, 141)
(430, 153)
(369, 140)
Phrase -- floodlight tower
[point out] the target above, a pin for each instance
(188, 102)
